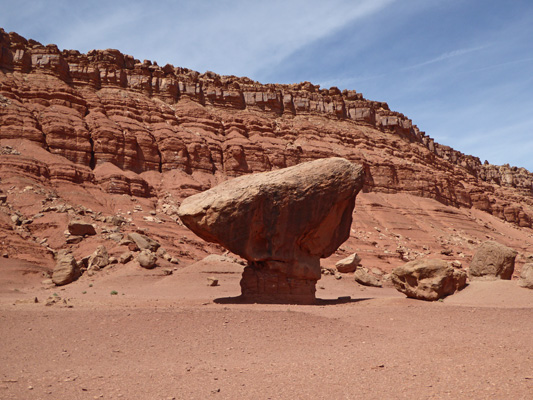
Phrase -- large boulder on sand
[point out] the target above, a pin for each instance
(364, 277)
(80, 228)
(282, 222)
(428, 279)
(66, 269)
(526, 276)
(492, 261)
(348, 264)
(147, 259)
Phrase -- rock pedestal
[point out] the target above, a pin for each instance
(282, 222)
(266, 282)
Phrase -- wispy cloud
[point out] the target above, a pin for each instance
(500, 65)
(251, 36)
(227, 36)
(447, 56)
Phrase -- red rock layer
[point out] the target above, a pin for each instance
(106, 107)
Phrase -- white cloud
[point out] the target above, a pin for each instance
(241, 37)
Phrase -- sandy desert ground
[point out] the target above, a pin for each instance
(174, 337)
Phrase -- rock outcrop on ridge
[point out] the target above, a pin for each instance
(282, 222)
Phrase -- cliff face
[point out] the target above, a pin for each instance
(116, 119)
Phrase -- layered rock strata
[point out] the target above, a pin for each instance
(105, 108)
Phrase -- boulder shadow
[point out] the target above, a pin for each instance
(318, 302)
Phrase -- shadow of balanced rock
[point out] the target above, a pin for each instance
(282, 222)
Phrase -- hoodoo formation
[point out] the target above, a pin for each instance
(282, 222)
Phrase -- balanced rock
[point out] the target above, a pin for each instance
(492, 261)
(80, 228)
(428, 279)
(66, 270)
(282, 222)
(348, 264)
(526, 276)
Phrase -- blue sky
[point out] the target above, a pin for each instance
(462, 70)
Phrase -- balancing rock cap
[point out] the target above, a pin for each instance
(292, 214)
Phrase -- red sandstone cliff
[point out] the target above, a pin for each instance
(121, 126)
(106, 107)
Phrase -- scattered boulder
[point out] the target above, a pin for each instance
(328, 271)
(16, 219)
(492, 260)
(98, 260)
(366, 278)
(211, 281)
(526, 276)
(80, 228)
(162, 252)
(147, 259)
(66, 269)
(403, 253)
(143, 242)
(457, 264)
(116, 237)
(348, 264)
(125, 257)
(52, 300)
(125, 241)
(282, 222)
(84, 263)
(428, 279)
(115, 220)
(74, 239)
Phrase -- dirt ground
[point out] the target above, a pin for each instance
(174, 337)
